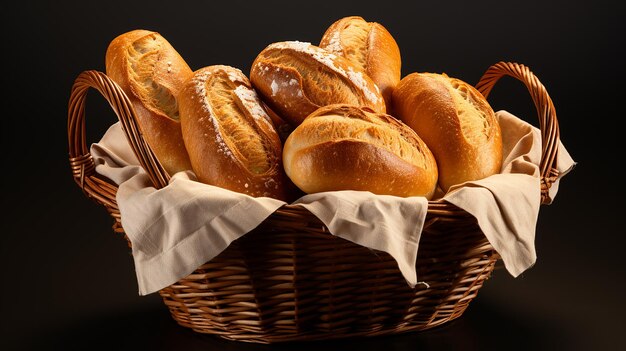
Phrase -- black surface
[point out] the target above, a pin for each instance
(68, 281)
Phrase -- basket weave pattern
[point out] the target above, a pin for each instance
(289, 279)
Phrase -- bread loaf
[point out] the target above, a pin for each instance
(343, 147)
(368, 46)
(151, 73)
(296, 78)
(455, 121)
(230, 138)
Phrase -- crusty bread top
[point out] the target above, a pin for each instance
(455, 121)
(356, 77)
(473, 111)
(144, 52)
(349, 37)
(152, 73)
(296, 78)
(369, 47)
(345, 147)
(345, 122)
(231, 103)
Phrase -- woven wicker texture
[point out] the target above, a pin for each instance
(290, 279)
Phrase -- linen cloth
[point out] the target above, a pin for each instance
(176, 229)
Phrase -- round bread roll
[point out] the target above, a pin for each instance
(230, 137)
(455, 121)
(344, 147)
(151, 73)
(296, 78)
(368, 46)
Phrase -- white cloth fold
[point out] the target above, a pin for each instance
(176, 229)
(374, 221)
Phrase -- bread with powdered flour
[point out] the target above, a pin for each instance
(230, 137)
(370, 47)
(296, 78)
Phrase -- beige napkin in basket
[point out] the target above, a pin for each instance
(176, 229)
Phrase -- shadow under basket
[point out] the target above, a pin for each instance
(290, 279)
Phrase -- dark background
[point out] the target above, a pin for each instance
(68, 281)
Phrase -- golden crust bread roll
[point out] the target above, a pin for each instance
(368, 46)
(456, 122)
(296, 78)
(230, 138)
(151, 73)
(343, 147)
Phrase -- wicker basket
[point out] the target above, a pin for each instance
(289, 279)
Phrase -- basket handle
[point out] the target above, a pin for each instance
(548, 122)
(81, 161)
